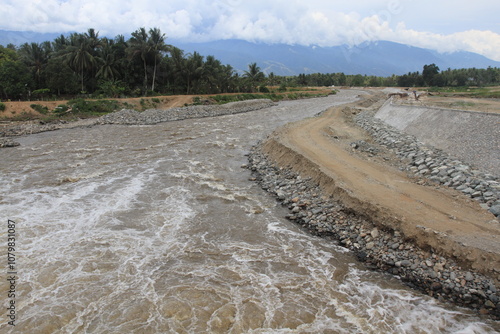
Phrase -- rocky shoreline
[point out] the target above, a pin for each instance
(154, 116)
(385, 250)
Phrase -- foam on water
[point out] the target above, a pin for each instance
(175, 239)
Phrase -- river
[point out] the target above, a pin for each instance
(157, 229)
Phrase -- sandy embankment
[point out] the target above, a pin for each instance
(434, 218)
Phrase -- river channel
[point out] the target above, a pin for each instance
(157, 229)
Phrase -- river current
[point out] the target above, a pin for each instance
(157, 229)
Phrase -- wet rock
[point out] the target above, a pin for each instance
(8, 142)
(378, 249)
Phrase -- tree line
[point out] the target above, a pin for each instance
(84, 64)
(431, 76)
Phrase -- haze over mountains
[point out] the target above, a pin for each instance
(381, 58)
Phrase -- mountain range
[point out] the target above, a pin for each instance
(380, 58)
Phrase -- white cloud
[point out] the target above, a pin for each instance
(319, 22)
(486, 43)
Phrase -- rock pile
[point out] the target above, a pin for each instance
(7, 142)
(29, 128)
(383, 249)
(434, 164)
(154, 116)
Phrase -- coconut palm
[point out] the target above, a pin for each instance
(157, 45)
(194, 70)
(81, 54)
(79, 57)
(254, 75)
(108, 68)
(35, 56)
(139, 47)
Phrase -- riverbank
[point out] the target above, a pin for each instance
(433, 238)
(130, 117)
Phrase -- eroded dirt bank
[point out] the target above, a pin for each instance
(433, 237)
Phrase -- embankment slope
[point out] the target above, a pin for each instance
(433, 218)
(473, 137)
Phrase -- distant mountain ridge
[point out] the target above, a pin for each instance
(381, 58)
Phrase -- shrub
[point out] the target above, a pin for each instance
(38, 107)
(2, 106)
(93, 107)
(155, 100)
(263, 89)
(61, 108)
(111, 88)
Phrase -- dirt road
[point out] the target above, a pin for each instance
(442, 219)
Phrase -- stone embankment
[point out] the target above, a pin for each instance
(154, 116)
(382, 247)
(130, 117)
(471, 136)
(434, 164)
(386, 250)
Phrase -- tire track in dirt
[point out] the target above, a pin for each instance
(449, 223)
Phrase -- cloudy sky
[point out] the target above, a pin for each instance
(443, 25)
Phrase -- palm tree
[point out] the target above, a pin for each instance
(212, 71)
(81, 53)
(254, 75)
(108, 61)
(35, 56)
(271, 79)
(79, 57)
(157, 46)
(139, 47)
(178, 66)
(194, 70)
(60, 43)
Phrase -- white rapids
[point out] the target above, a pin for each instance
(157, 229)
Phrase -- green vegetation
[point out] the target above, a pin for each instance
(61, 108)
(41, 109)
(467, 91)
(222, 99)
(2, 106)
(95, 108)
(85, 65)
(40, 93)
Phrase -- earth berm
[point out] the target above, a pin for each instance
(435, 238)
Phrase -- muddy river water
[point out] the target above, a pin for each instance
(157, 229)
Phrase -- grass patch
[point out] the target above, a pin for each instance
(466, 91)
(149, 103)
(24, 116)
(93, 108)
(221, 99)
(41, 109)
